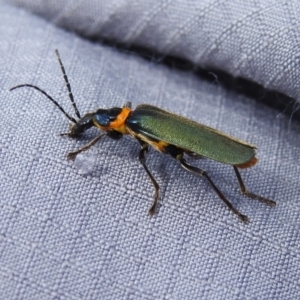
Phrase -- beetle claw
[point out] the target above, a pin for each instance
(71, 155)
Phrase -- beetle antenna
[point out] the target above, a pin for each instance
(48, 96)
(67, 84)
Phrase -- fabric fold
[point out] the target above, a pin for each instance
(257, 41)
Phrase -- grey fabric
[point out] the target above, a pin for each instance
(80, 230)
(257, 40)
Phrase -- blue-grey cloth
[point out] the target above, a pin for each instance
(80, 230)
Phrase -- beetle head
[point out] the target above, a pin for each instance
(80, 126)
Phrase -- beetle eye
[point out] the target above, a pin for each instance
(102, 119)
(105, 116)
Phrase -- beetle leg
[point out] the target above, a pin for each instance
(201, 172)
(142, 159)
(248, 194)
(72, 155)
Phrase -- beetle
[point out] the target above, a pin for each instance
(167, 133)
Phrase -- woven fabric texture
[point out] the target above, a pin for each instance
(257, 40)
(80, 230)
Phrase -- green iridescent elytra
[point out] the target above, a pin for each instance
(161, 125)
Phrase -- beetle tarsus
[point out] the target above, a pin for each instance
(153, 207)
(72, 155)
(259, 198)
(249, 194)
(243, 218)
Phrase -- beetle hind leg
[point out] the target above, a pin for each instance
(249, 194)
(200, 172)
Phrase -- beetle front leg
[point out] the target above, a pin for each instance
(72, 155)
(142, 159)
(201, 172)
(248, 194)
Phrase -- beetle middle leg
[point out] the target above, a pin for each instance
(142, 159)
(248, 194)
